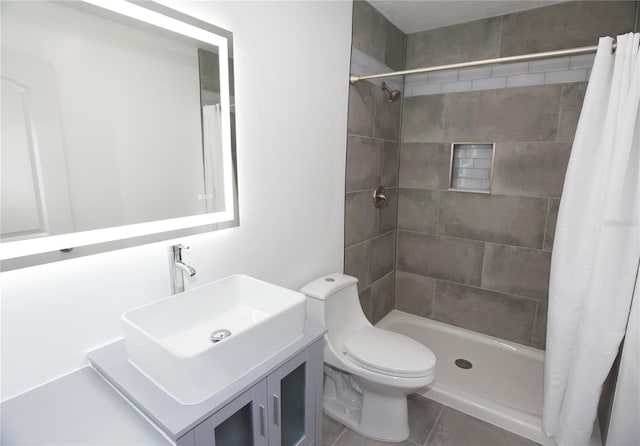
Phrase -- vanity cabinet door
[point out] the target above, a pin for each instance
(291, 393)
(284, 409)
(242, 422)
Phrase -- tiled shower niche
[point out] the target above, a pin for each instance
(471, 167)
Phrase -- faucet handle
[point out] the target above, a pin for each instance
(177, 251)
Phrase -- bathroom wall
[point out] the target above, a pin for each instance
(481, 261)
(291, 161)
(372, 160)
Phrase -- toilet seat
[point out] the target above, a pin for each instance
(389, 353)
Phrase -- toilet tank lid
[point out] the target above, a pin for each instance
(327, 285)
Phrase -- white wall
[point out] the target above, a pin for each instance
(292, 67)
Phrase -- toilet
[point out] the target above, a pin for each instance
(368, 371)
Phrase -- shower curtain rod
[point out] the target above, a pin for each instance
(582, 50)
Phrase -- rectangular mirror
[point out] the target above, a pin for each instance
(117, 128)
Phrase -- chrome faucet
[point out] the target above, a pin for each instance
(179, 268)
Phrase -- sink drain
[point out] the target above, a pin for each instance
(219, 335)
(463, 363)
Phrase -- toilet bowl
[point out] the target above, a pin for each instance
(368, 371)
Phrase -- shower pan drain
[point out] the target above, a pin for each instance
(463, 363)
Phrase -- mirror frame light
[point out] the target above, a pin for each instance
(34, 251)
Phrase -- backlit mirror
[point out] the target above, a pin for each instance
(117, 125)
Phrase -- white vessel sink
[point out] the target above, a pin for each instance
(170, 340)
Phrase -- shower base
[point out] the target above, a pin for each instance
(503, 385)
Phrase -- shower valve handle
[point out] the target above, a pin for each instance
(380, 198)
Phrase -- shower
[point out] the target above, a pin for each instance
(393, 94)
(435, 267)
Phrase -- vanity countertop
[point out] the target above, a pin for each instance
(78, 409)
(82, 408)
(177, 419)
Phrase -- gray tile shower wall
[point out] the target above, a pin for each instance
(378, 37)
(373, 157)
(565, 25)
(453, 44)
(473, 260)
(481, 261)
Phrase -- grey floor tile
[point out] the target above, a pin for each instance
(331, 430)
(423, 414)
(457, 429)
(432, 422)
(352, 438)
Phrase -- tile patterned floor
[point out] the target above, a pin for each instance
(430, 424)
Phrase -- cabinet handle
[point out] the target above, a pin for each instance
(276, 410)
(262, 422)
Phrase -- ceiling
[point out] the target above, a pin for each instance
(421, 15)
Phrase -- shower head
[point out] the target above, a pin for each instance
(393, 94)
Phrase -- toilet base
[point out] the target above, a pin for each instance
(372, 414)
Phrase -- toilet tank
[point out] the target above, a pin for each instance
(333, 302)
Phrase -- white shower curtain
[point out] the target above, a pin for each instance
(597, 245)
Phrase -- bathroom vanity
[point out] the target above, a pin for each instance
(260, 384)
(278, 402)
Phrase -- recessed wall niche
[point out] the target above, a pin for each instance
(471, 167)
